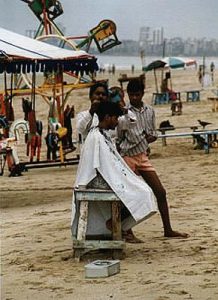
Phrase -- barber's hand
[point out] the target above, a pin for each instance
(94, 106)
(150, 138)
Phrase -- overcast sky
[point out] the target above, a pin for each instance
(184, 18)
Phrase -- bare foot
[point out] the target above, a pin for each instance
(129, 237)
(176, 234)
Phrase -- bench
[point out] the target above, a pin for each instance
(214, 103)
(206, 134)
(163, 98)
(193, 95)
(84, 242)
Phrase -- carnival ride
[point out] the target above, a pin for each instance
(72, 67)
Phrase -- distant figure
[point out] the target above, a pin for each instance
(133, 69)
(165, 88)
(176, 105)
(200, 74)
(113, 69)
(212, 68)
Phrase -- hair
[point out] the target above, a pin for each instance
(135, 85)
(108, 108)
(95, 86)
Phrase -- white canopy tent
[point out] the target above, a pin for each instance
(18, 51)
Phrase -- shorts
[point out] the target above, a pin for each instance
(139, 162)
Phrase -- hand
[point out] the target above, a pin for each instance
(94, 106)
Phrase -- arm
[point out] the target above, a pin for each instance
(151, 130)
(127, 121)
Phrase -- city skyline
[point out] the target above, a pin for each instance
(188, 18)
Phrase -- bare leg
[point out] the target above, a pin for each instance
(152, 179)
(128, 235)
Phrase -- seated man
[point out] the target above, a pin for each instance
(99, 156)
(176, 104)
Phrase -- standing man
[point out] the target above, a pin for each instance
(134, 142)
(212, 68)
(87, 119)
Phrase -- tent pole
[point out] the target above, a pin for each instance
(155, 77)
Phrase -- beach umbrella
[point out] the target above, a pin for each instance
(175, 62)
(154, 65)
(178, 62)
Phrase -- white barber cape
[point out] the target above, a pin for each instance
(100, 155)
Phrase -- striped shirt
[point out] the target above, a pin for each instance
(132, 139)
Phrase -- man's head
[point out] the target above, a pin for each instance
(135, 91)
(108, 114)
(98, 91)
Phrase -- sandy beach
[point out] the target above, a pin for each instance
(36, 246)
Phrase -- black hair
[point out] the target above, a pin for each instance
(95, 86)
(135, 85)
(108, 108)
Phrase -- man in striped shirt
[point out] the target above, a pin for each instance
(134, 143)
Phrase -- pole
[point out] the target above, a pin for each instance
(203, 71)
(163, 55)
(155, 77)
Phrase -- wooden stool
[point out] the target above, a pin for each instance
(176, 107)
(160, 98)
(193, 96)
(82, 243)
(214, 103)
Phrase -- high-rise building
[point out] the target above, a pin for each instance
(145, 34)
(151, 40)
(149, 35)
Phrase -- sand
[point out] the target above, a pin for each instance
(36, 245)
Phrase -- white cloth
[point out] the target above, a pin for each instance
(99, 154)
(84, 122)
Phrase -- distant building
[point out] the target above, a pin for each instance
(151, 39)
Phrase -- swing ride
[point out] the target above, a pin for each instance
(64, 61)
